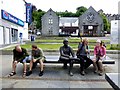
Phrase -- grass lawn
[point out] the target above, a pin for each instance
(70, 40)
(57, 46)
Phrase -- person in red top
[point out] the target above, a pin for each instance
(99, 55)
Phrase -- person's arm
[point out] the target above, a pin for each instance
(26, 53)
(104, 52)
(62, 54)
(95, 52)
(72, 52)
(88, 50)
(14, 55)
(41, 54)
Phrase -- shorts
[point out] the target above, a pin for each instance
(41, 58)
(27, 58)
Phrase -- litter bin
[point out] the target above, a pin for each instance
(32, 38)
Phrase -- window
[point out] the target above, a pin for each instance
(50, 31)
(14, 33)
(90, 27)
(50, 21)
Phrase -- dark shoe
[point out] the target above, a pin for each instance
(100, 74)
(95, 71)
(28, 73)
(11, 74)
(41, 73)
(24, 74)
(82, 73)
(70, 73)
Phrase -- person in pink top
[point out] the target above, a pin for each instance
(99, 55)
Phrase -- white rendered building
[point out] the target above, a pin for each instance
(12, 21)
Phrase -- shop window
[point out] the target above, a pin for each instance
(14, 33)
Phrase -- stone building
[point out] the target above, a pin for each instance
(88, 24)
(50, 24)
(91, 23)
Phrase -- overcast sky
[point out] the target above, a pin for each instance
(108, 6)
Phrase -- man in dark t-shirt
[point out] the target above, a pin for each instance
(19, 54)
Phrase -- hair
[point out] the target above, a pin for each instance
(101, 43)
(85, 39)
(17, 46)
(34, 46)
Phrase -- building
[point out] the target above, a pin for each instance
(91, 23)
(12, 21)
(50, 23)
(68, 26)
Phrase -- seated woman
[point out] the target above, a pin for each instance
(99, 55)
(82, 53)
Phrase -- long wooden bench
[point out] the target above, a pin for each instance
(55, 59)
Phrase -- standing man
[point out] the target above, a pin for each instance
(37, 56)
(65, 53)
(19, 54)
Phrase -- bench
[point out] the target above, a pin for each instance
(55, 59)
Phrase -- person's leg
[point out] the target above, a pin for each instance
(25, 65)
(41, 66)
(82, 65)
(88, 62)
(64, 60)
(100, 67)
(24, 69)
(13, 68)
(95, 66)
(30, 68)
(70, 68)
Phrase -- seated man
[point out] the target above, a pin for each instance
(19, 54)
(65, 53)
(37, 55)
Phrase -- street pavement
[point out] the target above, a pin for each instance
(54, 76)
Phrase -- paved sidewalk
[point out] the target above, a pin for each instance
(54, 77)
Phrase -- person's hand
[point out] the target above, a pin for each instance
(86, 51)
(101, 58)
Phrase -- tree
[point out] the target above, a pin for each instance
(37, 15)
(80, 10)
(106, 23)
